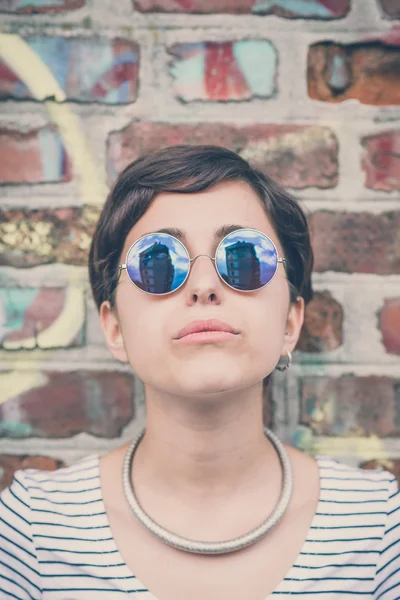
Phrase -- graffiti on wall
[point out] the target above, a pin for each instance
(38, 6)
(21, 325)
(224, 71)
(25, 325)
(85, 70)
(316, 9)
(35, 156)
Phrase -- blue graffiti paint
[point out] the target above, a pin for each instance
(39, 3)
(298, 7)
(13, 305)
(339, 75)
(258, 62)
(52, 154)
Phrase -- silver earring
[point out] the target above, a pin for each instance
(287, 365)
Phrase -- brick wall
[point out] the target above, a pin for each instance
(308, 90)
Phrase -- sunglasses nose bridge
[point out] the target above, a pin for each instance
(193, 259)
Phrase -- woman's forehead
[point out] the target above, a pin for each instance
(203, 213)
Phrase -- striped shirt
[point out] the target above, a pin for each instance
(56, 542)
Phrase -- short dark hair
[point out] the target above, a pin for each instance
(189, 169)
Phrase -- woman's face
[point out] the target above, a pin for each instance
(143, 329)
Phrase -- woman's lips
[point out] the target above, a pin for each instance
(207, 337)
(205, 325)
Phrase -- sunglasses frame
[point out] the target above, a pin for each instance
(278, 260)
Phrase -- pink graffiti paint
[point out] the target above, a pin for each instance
(223, 78)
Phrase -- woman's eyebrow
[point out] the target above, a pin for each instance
(218, 233)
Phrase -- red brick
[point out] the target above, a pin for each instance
(41, 317)
(349, 405)
(36, 156)
(87, 69)
(368, 72)
(34, 237)
(62, 404)
(389, 464)
(390, 37)
(295, 155)
(381, 161)
(322, 330)
(13, 6)
(389, 324)
(390, 8)
(322, 9)
(356, 242)
(9, 463)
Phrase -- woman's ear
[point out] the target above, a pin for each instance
(112, 331)
(294, 324)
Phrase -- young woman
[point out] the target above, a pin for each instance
(200, 267)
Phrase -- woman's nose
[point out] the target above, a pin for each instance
(203, 282)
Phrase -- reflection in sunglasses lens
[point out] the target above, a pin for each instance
(158, 263)
(246, 260)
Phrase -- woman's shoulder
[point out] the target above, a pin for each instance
(80, 476)
(339, 477)
(365, 503)
(334, 469)
(370, 498)
(35, 512)
(337, 469)
(355, 482)
(37, 489)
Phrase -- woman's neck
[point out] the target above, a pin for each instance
(205, 450)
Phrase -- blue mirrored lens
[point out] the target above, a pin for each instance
(157, 263)
(246, 259)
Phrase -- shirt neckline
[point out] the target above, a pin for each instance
(128, 574)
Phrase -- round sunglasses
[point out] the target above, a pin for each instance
(245, 259)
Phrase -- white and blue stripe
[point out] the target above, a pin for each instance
(56, 542)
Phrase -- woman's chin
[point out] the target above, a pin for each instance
(207, 386)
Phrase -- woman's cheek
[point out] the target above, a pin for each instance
(270, 332)
(143, 345)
